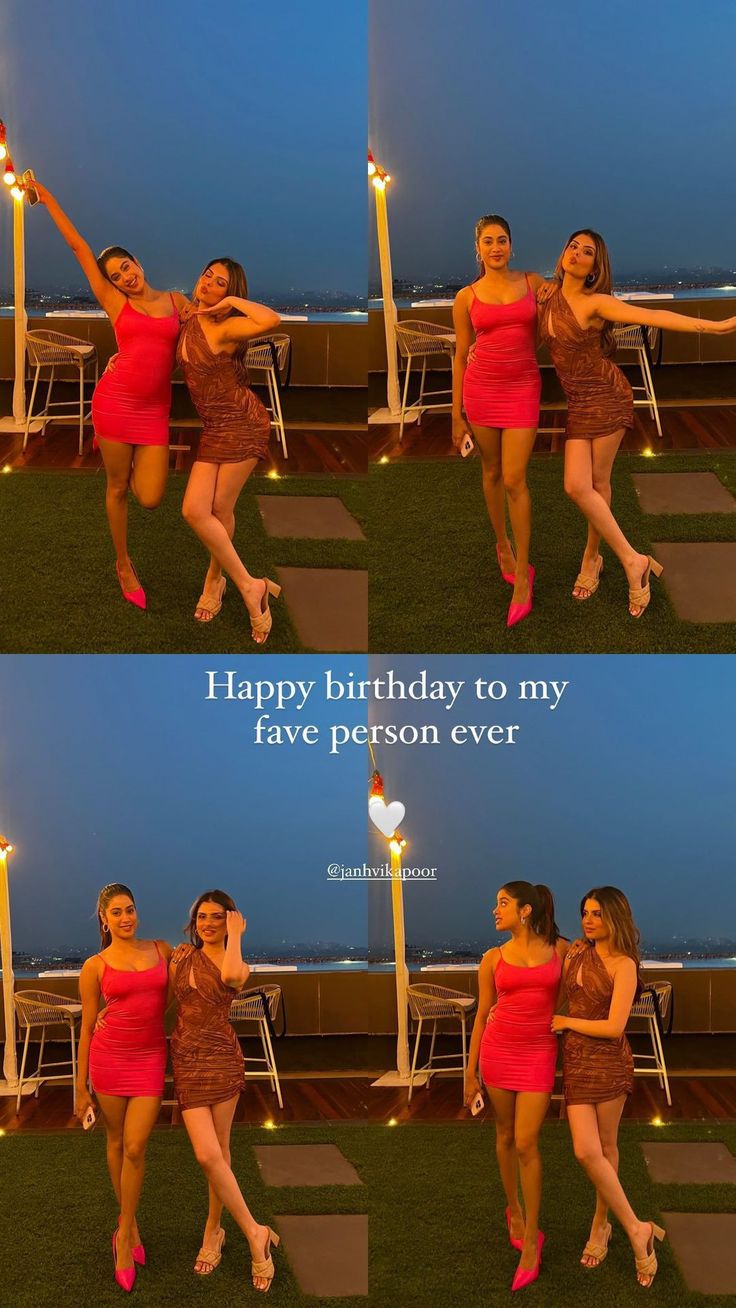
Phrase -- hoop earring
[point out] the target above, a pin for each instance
(590, 279)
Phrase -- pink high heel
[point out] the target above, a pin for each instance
(125, 1276)
(138, 1252)
(507, 576)
(137, 596)
(525, 1277)
(515, 1244)
(519, 611)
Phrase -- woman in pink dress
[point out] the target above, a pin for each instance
(131, 403)
(518, 985)
(496, 393)
(124, 1056)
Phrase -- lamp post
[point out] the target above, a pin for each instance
(386, 817)
(9, 1084)
(380, 179)
(16, 422)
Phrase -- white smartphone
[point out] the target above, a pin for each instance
(28, 179)
(467, 446)
(477, 1105)
(89, 1119)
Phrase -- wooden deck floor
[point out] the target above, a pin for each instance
(352, 1098)
(339, 451)
(684, 429)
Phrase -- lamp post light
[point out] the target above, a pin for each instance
(380, 179)
(9, 1084)
(16, 422)
(386, 817)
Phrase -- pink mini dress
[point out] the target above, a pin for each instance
(518, 1050)
(127, 1056)
(502, 383)
(131, 404)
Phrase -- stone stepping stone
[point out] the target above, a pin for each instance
(328, 1255)
(682, 492)
(689, 1164)
(704, 1245)
(329, 607)
(313, 517)
(307, 1164)
(700, 578)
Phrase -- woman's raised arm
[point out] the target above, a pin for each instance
(104, 292)
(258, 321)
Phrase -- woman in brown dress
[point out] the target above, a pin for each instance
(575, 325)
(601, 981)
(235, 433)
(208, 1071)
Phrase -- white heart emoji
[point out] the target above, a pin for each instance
(387, 817)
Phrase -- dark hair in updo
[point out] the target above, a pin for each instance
(105, 897)
(542, 904)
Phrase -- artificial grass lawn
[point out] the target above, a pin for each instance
(59, 589)
(437, 1235)
(435, 584)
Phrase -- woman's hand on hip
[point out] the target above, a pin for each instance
(559, 1024)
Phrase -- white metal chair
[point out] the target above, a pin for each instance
(272, 355)
(251, 1006)
(44, 1009)
(430, 1003)
(656, 996)
(632, 338)
(52, 350)
(423, 340)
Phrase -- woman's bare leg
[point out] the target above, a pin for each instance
(222, 1116)
(209, 504)
(208, 1152)
(603, 453)
(129, 1123)
(579, 486)
(517, 444)
(531, 1109)
(609, 1116)
(586, 1140)
(488, 440)
(142, 469)
(504, 1108)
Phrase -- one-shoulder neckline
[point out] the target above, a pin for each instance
(569, 308)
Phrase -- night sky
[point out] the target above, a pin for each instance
(185, 131)
(119, 769)
(617, 116)
(628, 782)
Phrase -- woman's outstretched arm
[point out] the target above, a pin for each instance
(104, 292)
(613, 310)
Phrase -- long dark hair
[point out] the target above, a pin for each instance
(207, 897)
(106, 895)
(542, 904)
(601, 279)
(237, 284)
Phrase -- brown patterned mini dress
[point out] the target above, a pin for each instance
(205, 1052)
(599, 398)
(236, 426)
(593, 1070)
